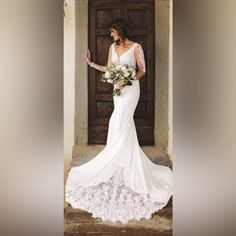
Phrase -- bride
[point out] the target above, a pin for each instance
(120, 183)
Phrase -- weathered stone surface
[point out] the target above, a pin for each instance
(78, 222)
(155, 155)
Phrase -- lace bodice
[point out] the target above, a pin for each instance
(133, 56)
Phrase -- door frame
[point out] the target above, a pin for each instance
(161, 129)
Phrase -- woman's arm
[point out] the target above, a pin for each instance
(94, 65)
(139, 55)
(109, 61)
(98, 67)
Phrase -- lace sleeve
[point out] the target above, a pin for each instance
(139, 55)
(109, 61)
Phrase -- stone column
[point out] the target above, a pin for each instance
(162, 73)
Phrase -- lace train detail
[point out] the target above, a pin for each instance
(112, 200)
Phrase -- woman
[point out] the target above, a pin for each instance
(121, 183)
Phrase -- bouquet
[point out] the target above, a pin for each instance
(119, 75)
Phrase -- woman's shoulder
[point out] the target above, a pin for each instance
(133, 43)
(137, 45)
(112, 46)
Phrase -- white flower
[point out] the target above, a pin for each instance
(116, 86)
(124, 69)
(110, 81)
(107, 74)
(126, 74)
(119, 67)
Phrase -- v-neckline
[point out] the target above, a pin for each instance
(118, 56)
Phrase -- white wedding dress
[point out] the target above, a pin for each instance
(121, 183)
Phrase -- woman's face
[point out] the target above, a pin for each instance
(114, 34)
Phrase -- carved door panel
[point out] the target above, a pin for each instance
(140, 18)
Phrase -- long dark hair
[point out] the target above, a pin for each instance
(121, 26)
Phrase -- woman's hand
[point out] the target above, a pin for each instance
(88, 57)
(117, 86)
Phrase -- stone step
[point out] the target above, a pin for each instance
(156, 156)
(122, 233)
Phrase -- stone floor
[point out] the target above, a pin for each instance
(79, 222)
(155, 155)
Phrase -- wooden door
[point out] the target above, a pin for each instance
(140, 17)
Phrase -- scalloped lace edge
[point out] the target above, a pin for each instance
(113, 201)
